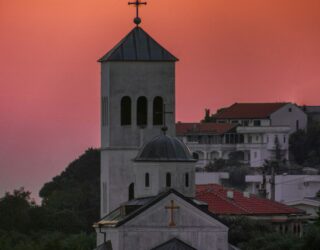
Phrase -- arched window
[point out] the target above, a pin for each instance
(142, 111)
(186, 179)
(157, 111)
(147, 180)
(131, 191)
(126, 110)
(168, 180)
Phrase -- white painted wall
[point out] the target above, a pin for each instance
(288, 187)
(211, 178)
(288, 115)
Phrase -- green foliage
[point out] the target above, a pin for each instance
(243, 229)
(216, 165)
(273, 241)
(207, 116)
(64, 221)
(46, 241)
(305, 146)
(311, 239)
(237, 177)
(75, 194)
(14, 211)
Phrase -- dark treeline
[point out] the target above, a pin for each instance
(70, 205)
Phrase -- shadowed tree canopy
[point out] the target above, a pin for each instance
(76, 191)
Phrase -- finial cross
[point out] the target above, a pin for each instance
(172, 207)
(137, 4)
(164, 112)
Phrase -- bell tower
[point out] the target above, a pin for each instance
(137, 82)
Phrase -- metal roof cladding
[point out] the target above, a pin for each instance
(165, 148)
(138, 46)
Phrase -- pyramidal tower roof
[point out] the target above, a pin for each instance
(138, 45)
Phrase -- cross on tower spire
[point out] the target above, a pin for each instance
(137, 3)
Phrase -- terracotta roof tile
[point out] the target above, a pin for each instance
(197, 128)
(249, 110)
(218, 203)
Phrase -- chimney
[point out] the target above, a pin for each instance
(230, 194)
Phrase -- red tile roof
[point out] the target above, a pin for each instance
(218, 203)
(249, 110)
(196, 128)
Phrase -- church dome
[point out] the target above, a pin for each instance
(165, 148)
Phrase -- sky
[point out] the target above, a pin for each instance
(229, 50)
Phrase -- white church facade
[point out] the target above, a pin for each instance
(147, 174)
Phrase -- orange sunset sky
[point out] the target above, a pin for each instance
(229, 51)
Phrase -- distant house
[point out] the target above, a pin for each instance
(253, 145)
(263, 114)
(250, 129)
(224, 201)
(298, 191)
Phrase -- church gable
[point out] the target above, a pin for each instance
(175, 211)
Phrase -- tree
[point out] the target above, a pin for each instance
(14, 211)
(243, 229)
(305, 146)
(76, 191)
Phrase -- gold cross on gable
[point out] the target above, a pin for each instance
(172, 207)
(137, 4)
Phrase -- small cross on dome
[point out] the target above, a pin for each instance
(137, 3)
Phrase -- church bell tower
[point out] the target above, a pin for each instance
(137, 98)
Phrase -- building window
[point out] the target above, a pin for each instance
(157, 111)
(297, 125)
(186, 179)
(284, 139)
(126, 111)
(147, 180)
(131, 191)
(168, 180)
(255, 154)
(290, 109)
(249, 139)
(142, 111)
(245, 123)
(256, 123)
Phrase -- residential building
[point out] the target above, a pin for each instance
(263, 115)
(299, 191)
(254, 144)
(224, 201)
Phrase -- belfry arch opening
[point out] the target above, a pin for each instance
(131, 192)
(147, 180)
(142, 111)
(126, 110)
(157, 110)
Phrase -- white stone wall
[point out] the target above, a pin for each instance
(157, 172)
(258, 146)
(288, 115)
(211, 178)
(120, 144)
(288, 187)
(150, 228)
